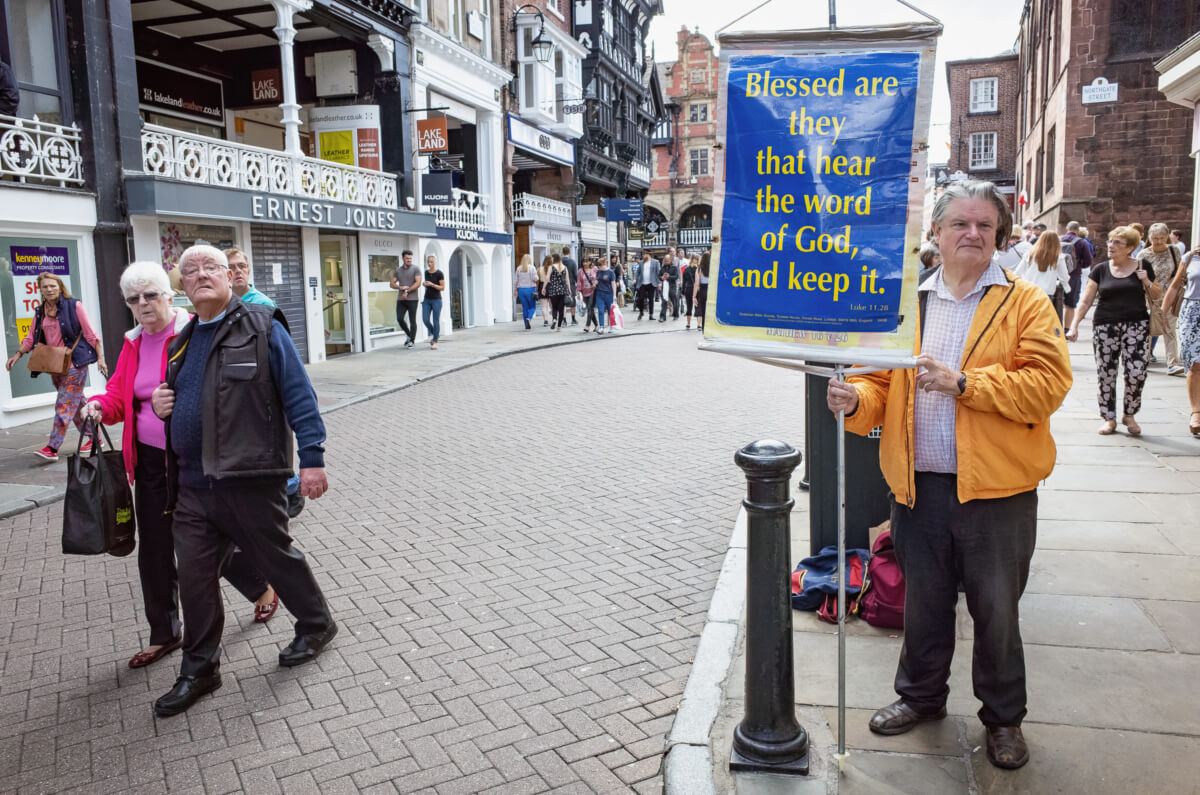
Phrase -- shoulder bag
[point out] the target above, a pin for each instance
(51, 359)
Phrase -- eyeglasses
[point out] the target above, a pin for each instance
(137, 298)
(208, 267)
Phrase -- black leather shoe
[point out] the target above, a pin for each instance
(187, 691)
(1006, 747)
(295, 504)
(305, 648)
(898, 717)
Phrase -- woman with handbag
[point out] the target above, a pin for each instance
(1121, 329)
(60, 322)
(141, 367)
(586, 285)
(1046, 266)
(700, 296)
(1183, 299)
(1163, 259)
(557, 288)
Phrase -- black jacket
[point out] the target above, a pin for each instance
(246, 433)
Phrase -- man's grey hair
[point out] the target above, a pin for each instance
(202, 251)
(977, 189)
(1027, 225)
(138, 275)
(1072, 226)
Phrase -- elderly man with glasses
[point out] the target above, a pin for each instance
(235, 392)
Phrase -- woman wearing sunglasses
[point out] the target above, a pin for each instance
(140, 368)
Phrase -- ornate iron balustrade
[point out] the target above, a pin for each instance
(39, 153)
(467, 210)
(531, 207)
(197, 159)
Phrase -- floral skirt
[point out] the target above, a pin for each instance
(1188, 330)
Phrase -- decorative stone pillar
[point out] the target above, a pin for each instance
(285, 31)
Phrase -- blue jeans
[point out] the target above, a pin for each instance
(603, 303)
(528, 302)
(434, 309)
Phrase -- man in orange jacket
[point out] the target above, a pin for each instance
(966, 439)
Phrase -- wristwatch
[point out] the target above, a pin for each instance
(962, 383)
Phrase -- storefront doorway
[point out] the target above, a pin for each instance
(339, 310)
(460, 304)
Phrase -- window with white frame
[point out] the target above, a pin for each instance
(698, 112)
(983, 95)
(568, 87)
(699, 162)
(537, 80)
(983, 151)
(552, 5)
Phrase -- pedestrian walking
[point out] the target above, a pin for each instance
(407, 280)
(701, 296)
(586, 285)
(557, 288)
(1085, 257)
(606, 287)
(669, 279)
(687, 288)
(1177, 242)
(126, 399)
(645, 279)
(1184, 292)
(1121, 329)
(992, 368)
(1162, 259)
(573, 275)
(1046, 266)
(543, 280)
(431, 309)
(525, 287)
(60, 321)
(235, 392)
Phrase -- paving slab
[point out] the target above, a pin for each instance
(1069, 760)
(1182, 463)
(1179, 620)
(1184, 536)
(899, 774)
(1137, 479)
(937, 738)
(1100, 506)
(1080, 621)
(1102, 455)
(1127, 574)
(1103, 536)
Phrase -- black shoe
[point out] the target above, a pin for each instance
(295, 504)
(574, 322)
(305, 648)
(187, 691)
(526, 324)
(640, 315)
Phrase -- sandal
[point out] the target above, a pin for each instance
(263, 613)
(144, 658)
(1108, 428)
(1131, 425)
(1194, 423)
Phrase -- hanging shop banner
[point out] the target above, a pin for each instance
(347, 134)
(819, 199)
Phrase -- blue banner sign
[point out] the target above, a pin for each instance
(623, 209)
(819, 150)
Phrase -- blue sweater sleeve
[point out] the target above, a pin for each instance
(299, 398)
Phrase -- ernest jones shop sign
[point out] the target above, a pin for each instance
(180, 93)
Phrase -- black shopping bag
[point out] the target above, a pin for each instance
(98, 507)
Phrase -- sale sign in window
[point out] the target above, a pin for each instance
(22, 259)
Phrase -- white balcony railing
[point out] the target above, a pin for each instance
(696, 237)
(531, 207)
(201, 160)
(467, 210)
(39, 153)
(658, 241)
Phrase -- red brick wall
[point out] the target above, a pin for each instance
(1003, 121)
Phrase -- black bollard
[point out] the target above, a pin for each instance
(769, 739)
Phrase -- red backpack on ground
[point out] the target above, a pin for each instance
(883, 603)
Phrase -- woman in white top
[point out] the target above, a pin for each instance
(1046, 266)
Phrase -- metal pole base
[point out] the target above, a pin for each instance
(790, 758)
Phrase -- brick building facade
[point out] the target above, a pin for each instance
(1110, 162)
(983, 119)
(681, 187)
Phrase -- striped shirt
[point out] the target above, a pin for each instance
(947, 322)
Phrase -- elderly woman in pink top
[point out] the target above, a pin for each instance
(140, 368)
(59, 321)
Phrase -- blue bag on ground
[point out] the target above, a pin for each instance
(815, 577)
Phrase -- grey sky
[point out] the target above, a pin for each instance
(973, 29)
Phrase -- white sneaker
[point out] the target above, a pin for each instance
(1176, 369)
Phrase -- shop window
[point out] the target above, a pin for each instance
(22, 259)
(381, 299)
(176, 236)
(983, 95)
(34, 30)
(983, 151)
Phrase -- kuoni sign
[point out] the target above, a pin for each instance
(818, 211)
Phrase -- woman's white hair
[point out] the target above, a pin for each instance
(1158, 229)
(144, 274)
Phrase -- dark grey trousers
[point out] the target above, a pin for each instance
(985, 545)
(208, 523)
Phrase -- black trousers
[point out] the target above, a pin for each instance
(156, 551)
(645, 299)
(591, 311)
(406, 316)
(986, 545)
(670, 299)
(558, 304)
(253, 515)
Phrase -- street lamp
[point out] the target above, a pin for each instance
(543, 49)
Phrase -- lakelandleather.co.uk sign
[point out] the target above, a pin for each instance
(178, 93)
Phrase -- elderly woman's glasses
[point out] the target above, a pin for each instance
(137, 298)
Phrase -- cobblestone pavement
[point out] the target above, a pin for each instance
(520, 555)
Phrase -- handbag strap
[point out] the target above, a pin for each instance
(96, 429)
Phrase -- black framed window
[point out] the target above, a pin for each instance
(32, 43)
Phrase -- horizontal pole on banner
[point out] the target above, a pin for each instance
(852, 357)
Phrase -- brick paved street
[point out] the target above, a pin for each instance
(520, 554)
